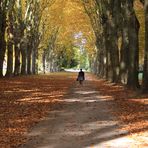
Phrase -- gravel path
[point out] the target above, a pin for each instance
(82, 120)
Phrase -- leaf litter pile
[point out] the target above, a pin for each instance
(24, 101)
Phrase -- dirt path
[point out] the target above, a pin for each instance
(82, 120)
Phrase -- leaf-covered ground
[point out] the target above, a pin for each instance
(130, 108)
(24, 101)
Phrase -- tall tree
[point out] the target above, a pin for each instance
(10, 44)
(133, 32)
(145, 72)
(18, 34)
(3, 15)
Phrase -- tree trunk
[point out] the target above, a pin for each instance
(33, 61)
(24, 58)
(124, 59)
(114, 26)
(145, 71)
(100, 57)
(10, 46)
(1, 61)
(35, 58)
(29, 53)
(2, 40)
(124, 51)
(44, 61)
(17, 60)
(36, 63)
(114, 54)
(10, 59)
(106, 50)
(108, 46)
(133, 65)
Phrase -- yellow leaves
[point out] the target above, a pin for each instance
(70, 17)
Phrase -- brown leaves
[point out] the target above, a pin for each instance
(24, 101)
(128, 106)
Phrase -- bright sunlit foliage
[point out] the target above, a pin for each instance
(69, 19)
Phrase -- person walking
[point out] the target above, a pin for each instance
(81, 76)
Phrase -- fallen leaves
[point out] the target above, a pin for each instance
(130, 107)
(24, 101)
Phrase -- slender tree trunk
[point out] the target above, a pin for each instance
(145, 72)
(10, 47)
(36, 61)
(44, 61)
(124, 56)
(115, 22)
(1, 61)
(104, 58)
(114, 54)
(97, 62)
(29, 53)
(33, 60)
(99, 57)
(2, 40)
(24, 58)
(18, 35)
(133, 65)
(10, 59)
(17, 60)
(108, 46)
(106, 50)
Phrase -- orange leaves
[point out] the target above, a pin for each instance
(24, 101)
(70, 16)
(128, 106)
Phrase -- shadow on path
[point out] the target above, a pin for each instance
(82, 120)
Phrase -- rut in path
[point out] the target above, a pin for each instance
(82, 120)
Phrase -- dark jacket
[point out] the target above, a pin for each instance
(81, 76)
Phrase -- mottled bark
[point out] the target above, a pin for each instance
(10, 46)
(18, 35)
